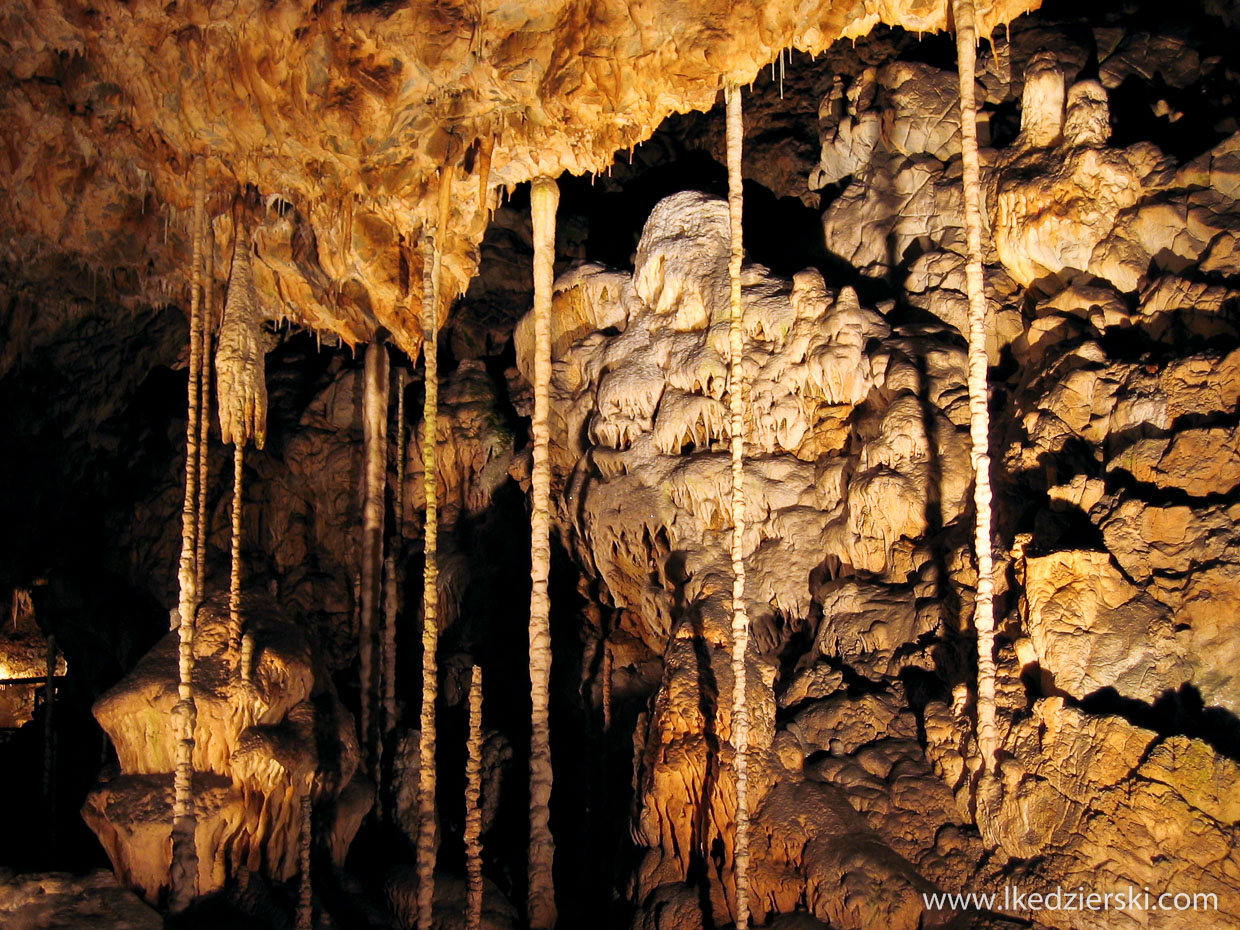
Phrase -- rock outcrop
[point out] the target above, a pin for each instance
(262, 742)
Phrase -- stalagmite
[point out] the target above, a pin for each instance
(473, 805)
(393, 583)
(305, 909)
(374, 481)
(979, 414)
(204, 430)
(184, 870)
(544, 199)
(433, 268)
(607, 672)
(736, 403)
(240, 375)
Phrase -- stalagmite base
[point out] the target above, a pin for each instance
(736, 403)
(544, 198)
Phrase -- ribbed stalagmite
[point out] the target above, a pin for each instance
(433, 268)
(473, 805)
(204, 430)
(544, 199)
(740, 616)
(305, 907)
(979, 413)
(392, 575)
(374, 483)
(184, 871)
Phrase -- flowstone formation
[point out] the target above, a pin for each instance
(858, 447)
(261, 741)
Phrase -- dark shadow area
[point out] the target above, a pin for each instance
(1174, 713)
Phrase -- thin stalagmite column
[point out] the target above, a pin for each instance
(432, 270)
(374, 481)
(183, 875)
(204, 427)
(473, 806)
(245, 644)
(305, 908)
(979, 413)
(607, 673)
(391, 568)
(544, 199)
(740, 616)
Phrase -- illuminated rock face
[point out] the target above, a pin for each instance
(847, 421)
(1112, 281)
(259, 745)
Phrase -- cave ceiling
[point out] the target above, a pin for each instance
(326, 125)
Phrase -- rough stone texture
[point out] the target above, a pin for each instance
(846, 432)
(259, 745)
(341, 115)
(60, 901)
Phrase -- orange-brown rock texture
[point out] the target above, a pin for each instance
(341, 116)
(1110, 180)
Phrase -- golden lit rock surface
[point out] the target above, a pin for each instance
(340, 116)
(256, 744)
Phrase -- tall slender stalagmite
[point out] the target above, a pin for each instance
(204, 430)
(392, 573)
(432, 269)
(184, 871)
(979, 413)
(473, 805)
(736, 403)
(374, 482)
(544, 199)
(305, 907)
(240, 374)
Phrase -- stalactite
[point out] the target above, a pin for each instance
(473, 805)
(305, 908)
(740, 616)
(544, 199)
(240, 374)
(184, 870)
(484, 172)
(432, 270)
(1000, 42)
(979, 413)
(204, 430)
(374, 481)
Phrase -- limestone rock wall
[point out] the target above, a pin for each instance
(1113, 339)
